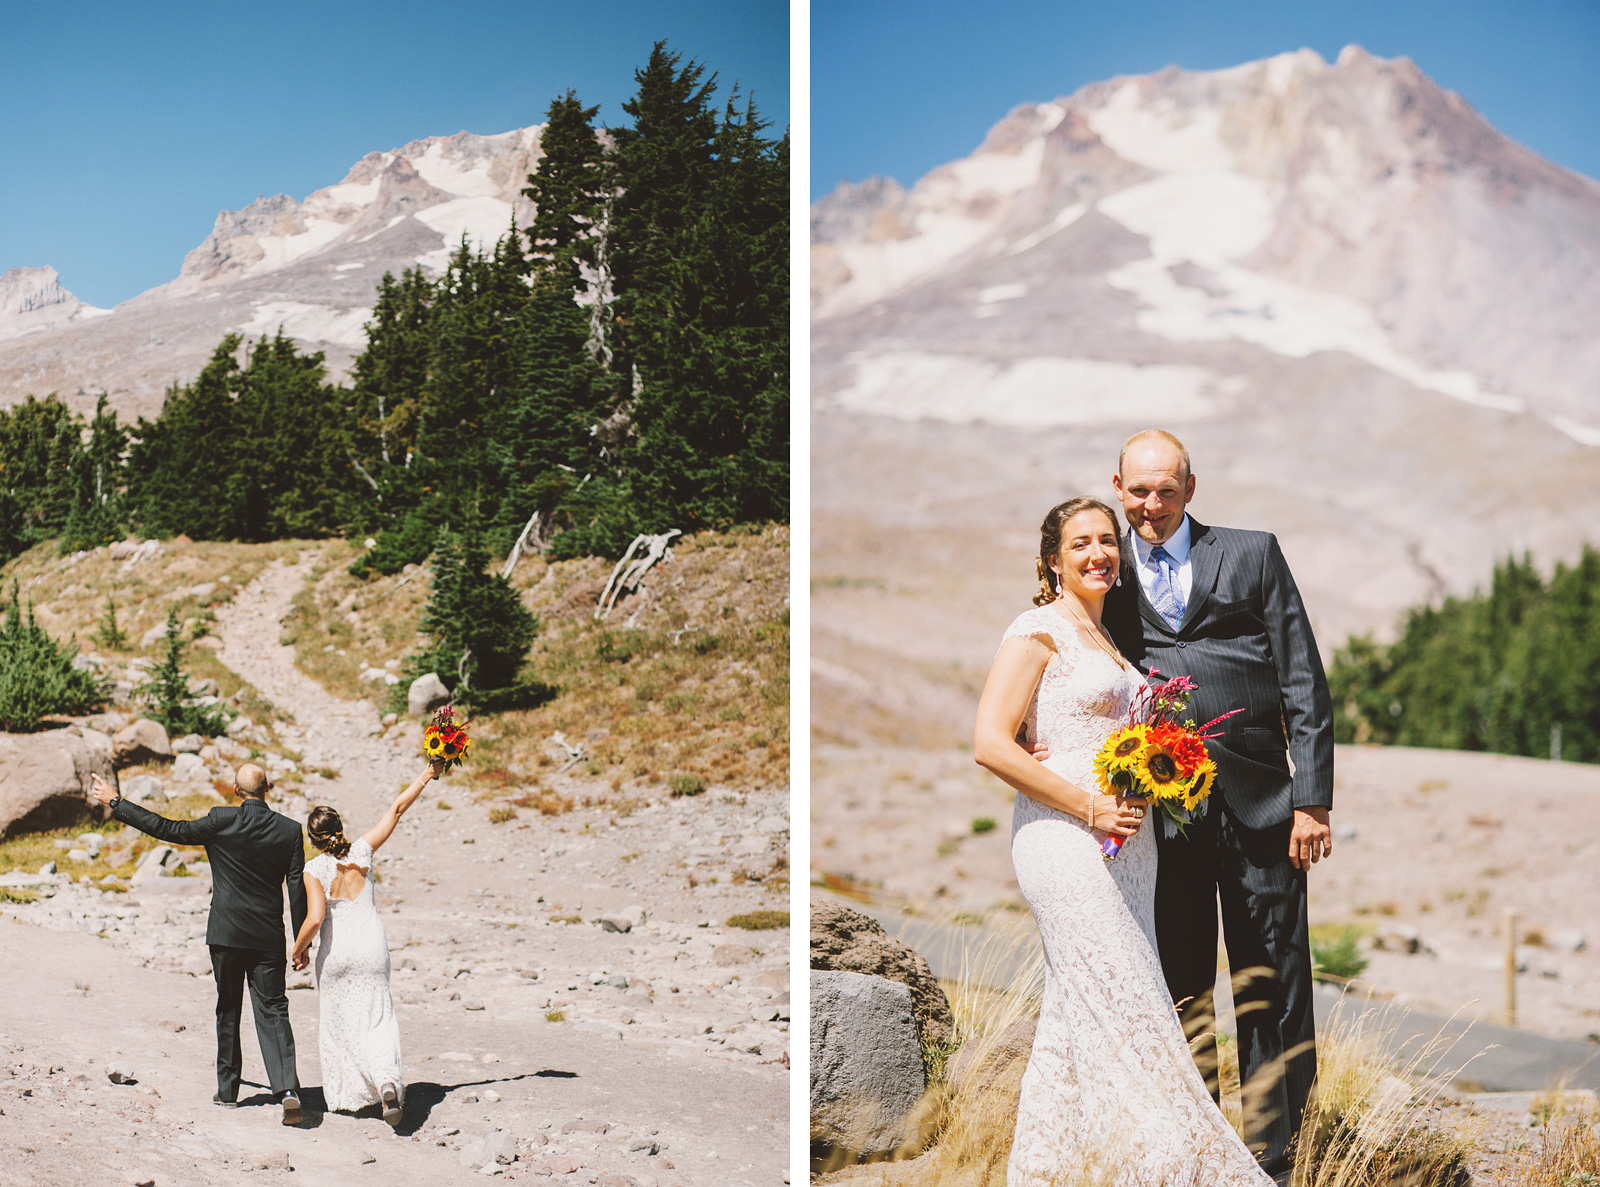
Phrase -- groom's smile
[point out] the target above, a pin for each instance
(1155, 485)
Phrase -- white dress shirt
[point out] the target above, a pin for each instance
(1178, 549)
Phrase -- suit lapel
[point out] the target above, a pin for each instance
(1205, 560)
(1130, 576)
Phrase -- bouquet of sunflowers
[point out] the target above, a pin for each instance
(1159, 758)
(446, 739)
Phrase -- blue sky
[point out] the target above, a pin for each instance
(127, 127)
(900, 86)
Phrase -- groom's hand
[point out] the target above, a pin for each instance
(103, 791)
(1310, 840)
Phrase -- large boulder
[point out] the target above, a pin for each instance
(46, 779)
(847, 941)
(867, 1073)
(142, 741)
(426, 694)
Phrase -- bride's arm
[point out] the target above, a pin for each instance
(1001, 710)
(381, 831)
(316, 907)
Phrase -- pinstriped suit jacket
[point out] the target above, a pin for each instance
(1246, 642)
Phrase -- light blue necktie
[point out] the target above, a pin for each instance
(1164, 590)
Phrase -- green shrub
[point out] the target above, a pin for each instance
(983, 824)
(1337, 958)
(37, 678)
(166, 689)
(760, 920)
(111, 636)
(682, 785)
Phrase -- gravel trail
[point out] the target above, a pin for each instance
(656, 1056)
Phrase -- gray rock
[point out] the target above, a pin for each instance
(501, 1146)
(189, 766)
(47, 869)
(123, 549)
(162, 861)
(142, 741)
(46, 779)
(188, 744)
(120, 1073)
(843, 940)
(426, 694)
(866, 1063)
(475, 1153)
(624, 920)
(79, 855)
(154, 635)
(238, 726)
(143, 789)
(1567, 940)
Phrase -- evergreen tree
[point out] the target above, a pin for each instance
(38, 439)
(37, 678)
(570, 190)
(96, 515)
(478, 629)
(167, 690)
(180, 463)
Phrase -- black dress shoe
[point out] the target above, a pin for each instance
(216, 1099)
(291, 1109)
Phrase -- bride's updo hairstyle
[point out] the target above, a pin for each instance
(1050, 543)
(326, 831)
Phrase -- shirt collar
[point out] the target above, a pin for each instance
(1177, 547)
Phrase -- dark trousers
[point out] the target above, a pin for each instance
(1263, 901)
(232, 967)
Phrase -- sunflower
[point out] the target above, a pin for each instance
(433, 744)
(1158, 770)
(1200, 786)
(1120, 754)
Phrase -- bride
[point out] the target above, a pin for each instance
(359, 1034)
(1110, 1087)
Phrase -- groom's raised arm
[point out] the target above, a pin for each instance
(174, 832)
(1307, 705)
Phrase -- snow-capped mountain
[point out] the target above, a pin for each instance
(308, 266)
(1370, 315)
(1290, 204)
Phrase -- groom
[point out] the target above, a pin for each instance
(254, 853)
(1218, 604)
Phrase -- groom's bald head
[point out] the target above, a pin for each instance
(251, 781)
(1156, 441)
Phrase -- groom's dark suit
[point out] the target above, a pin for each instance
(1245, 640)
(253, 852)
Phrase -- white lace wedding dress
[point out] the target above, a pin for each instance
(1111, 1093)
(359, 1034)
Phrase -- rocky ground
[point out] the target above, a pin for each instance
(1432, 849)
(657, 1056)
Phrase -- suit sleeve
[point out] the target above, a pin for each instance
(173, 832)
(295, 880)
(1307, 706)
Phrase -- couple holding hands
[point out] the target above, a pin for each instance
(254, 852)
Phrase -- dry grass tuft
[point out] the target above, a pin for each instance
(548, 803)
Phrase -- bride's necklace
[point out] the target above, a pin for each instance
(1095, 633)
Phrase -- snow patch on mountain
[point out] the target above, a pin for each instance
(310, 323)
(483, 220)
(1034, 392)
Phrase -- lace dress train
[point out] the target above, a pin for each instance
(1110, 1087)
(359, 1034)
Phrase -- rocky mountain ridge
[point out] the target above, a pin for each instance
(310, 267)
